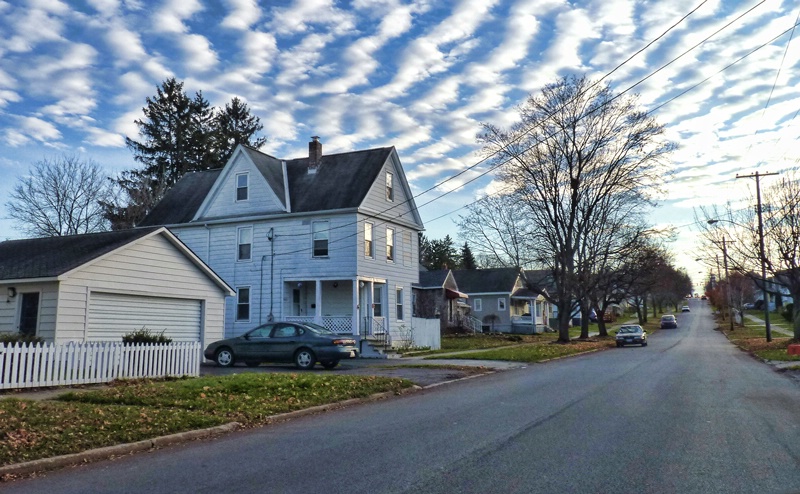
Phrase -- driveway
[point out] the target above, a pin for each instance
(420, 371)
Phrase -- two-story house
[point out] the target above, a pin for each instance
(331, 239)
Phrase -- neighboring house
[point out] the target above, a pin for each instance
(100, 286)
(503, 300)
(437, 296)
(331, 239)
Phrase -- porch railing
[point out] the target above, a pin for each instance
(473, 324)
(337, 324)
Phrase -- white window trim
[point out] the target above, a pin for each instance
(246, 188)
(249, 303)
(390, 243)
(477, 305)
(327, 238)
(400, 303)
(238, 243)
(389, 186)
(371, 253)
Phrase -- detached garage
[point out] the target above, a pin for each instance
(98, 287)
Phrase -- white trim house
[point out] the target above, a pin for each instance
(100, 286)
(331, 239)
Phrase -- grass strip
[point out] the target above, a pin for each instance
(132, 411)
(538, 352)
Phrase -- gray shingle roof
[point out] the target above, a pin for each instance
(432, 279)
(52, 256)
(183, 199)
(496, 280)
(342, 181)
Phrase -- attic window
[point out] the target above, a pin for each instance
(389, 187)
(241, 187)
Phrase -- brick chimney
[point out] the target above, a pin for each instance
(314, 154)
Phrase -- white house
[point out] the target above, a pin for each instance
(331, 239)
(100, 286)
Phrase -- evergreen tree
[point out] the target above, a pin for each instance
(236, 125)
(178, 134)
(443, 254)
(467, 259)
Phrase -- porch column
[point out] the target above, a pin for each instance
(318, 303)
(533, 313)
(356, 309)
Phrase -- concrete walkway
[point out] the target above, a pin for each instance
(772, 328)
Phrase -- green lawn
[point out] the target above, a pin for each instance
(130, 411)
(544, 349)
(752, 337)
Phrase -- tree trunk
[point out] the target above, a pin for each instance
(584, 322)
(564, 321)
(601, 323)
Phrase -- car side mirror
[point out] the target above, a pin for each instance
(246, 336)
(616, 332)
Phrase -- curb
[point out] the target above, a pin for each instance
(29, 467)
(45, 464)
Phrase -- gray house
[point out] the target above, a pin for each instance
(437, 296)
(100, 286)
(503, 300)
(331, 239)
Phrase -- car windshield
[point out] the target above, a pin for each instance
(668, 318)
(629, 329)
(316, 328)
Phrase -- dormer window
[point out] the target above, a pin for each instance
(241, 187)
(389, 187)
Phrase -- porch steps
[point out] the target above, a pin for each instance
(376, 348)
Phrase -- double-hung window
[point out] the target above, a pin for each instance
(501, 304)
(390, 244)
(399, 303)
(477, 305)
(244, 243)
(319, 232)
(389, 187)
(368, 245)
(243, 304)
(242, 189)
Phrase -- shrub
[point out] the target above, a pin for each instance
(144, 335)
(10, 338)
(788, 312)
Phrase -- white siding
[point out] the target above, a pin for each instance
(397, 211)
(48, 300)
(112, 315)
(216, 245)
(261, 198)
(151, 267)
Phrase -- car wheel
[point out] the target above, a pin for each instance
(619, 344)
(644, 343)
(253, 363)
(330, 364)
(224, 357)
(305, 359)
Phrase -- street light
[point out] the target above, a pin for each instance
(763, 267)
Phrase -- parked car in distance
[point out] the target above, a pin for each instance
(748, 306)
(304, 344)
(669, 322)
(685, 308)
(631, 334)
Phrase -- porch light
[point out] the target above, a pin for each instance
(12, 292)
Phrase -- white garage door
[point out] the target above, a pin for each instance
(112, 315)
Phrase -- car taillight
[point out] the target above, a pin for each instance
(344, 342)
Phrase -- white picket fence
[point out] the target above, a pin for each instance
(48, 364)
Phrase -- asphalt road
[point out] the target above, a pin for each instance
(689, 413)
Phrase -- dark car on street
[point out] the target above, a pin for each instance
(303, 344)
(669, 322)
(631, 334)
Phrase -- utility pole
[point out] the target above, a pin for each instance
(757, 176)
(728, 280)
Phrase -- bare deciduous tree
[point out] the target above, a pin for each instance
(60, 196)
(580, 158)
(781, 220)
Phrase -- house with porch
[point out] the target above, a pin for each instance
(504, 300)
(436, 295)
(330, 239)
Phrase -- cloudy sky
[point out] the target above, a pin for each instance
(420, 75)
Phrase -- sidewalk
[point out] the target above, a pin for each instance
(775, 329)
